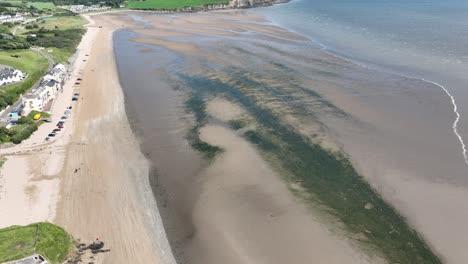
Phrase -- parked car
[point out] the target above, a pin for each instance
(56, 130)
(64, 117)
(76, 94)
(70, 107)
(47, 120)
(60, 123)
(61, 126)
(74, 98)
(51, 135)
(47, 139)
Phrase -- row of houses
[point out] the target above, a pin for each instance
(84, 9)
(50, 85)
(8, 18)
(9, 75)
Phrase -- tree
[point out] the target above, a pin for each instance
(22, 120)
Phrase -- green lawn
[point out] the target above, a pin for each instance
(19, 241)
(42, 5)
(161, 4)
(29, 61)
(45, 6)
(15, 2)
(64, 22)
(59, 55)
(16, 242)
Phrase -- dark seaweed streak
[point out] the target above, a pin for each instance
(329, 176)
(196, 105)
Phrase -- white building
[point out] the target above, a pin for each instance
(36, 100)
(7, 18)
(83, 9)
(57, 73)
(51, 84)
(10, 75)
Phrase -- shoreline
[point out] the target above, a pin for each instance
(49, 190)
(231, 5)
(123, 211)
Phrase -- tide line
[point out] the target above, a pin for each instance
(325, 49)
(455, 122)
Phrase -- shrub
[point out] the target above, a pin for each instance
(24, 134)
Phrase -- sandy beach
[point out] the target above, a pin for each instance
(91, 179)
(108, 197)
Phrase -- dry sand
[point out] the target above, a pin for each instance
(30, 177)
(109, 197)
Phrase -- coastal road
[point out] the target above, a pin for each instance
(8, 110)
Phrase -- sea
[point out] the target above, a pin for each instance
(424, 39)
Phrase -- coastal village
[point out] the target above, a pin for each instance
(41, 98)
(18, 17)
(9, 75)
(38, 99)
(79, 9)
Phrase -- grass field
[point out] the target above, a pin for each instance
(39, 5)
(64, 22)
(42, 5)
(28, 60)
(31, 62)
(169, 4)
(59, 55)
(47, 239)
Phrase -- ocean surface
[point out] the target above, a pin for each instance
(426, 39)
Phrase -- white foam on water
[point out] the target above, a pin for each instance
(446, 91)
(457, 119)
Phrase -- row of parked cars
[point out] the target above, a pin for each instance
(60, 124)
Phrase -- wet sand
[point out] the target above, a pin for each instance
(394, 129)
(235, 209)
